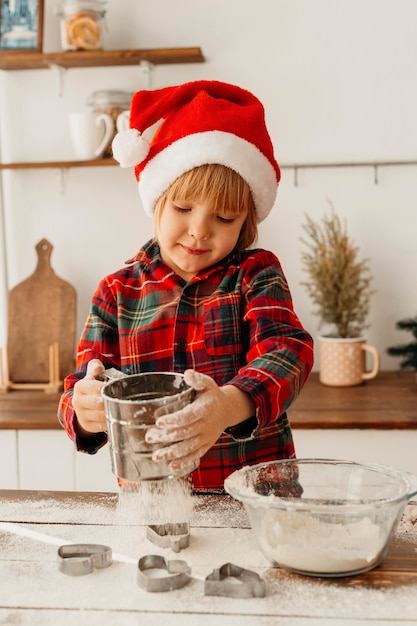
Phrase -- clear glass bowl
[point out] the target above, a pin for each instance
(322, 517)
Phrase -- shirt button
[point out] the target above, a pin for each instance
(182, 344)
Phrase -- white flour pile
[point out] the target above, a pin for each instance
(304, 543)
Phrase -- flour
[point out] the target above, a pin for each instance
(304, 543)
(156, 502)
(98, 509)
(408, 523)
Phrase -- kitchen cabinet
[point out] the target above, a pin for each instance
(47, 459)
(396, 448)
(36, 453)
(8, 460)
(43, 459)
(375, 422)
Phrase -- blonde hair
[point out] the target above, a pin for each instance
(220, 186)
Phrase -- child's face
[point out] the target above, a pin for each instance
(191, 237)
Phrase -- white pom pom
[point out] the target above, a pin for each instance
(130, 148)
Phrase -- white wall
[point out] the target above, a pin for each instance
(338, 81)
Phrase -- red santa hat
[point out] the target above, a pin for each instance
(202, 122)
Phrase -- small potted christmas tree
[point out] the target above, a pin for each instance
(407, 351)
(339, 286)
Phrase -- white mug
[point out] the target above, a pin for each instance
(122, 122)
(90, 133)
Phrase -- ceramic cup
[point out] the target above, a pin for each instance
(90, 133)
(122, 122)
(343, 361)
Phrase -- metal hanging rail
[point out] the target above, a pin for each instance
(375, 165)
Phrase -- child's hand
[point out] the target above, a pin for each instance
(87, 401)
(199, 425)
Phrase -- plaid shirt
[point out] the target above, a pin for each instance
(233, 321)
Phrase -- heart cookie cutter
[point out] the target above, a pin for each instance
(81, 558)
(170, 575)
(234, 582)
(175, 536)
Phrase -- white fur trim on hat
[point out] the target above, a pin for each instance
(210, 147)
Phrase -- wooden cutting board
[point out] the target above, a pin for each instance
(42, 312)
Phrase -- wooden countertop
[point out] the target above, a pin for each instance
(387, 402)
(33, 524)
(29, 409)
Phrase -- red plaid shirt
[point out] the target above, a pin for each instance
(233, 321)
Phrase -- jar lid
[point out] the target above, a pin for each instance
(108, 97)
(75, 6)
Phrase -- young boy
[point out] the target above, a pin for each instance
(196, 298)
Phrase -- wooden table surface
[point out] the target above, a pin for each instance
(34, 592)
(387, 402)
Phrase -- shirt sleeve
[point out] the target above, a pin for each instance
(98, 341)
(280, 354)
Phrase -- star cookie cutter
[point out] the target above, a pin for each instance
(81, 558)
(175, 573)
(234, 582)
(174, 536)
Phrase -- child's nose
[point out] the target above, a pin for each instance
(199, 229)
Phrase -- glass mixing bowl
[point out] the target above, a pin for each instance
(322, 517)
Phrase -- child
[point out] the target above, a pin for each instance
(196, 298)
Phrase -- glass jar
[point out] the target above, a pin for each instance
(81, 24)
(113, 102)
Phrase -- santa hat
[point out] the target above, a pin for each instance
(202, 122)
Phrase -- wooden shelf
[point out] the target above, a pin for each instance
(58, 164)
(97, 58)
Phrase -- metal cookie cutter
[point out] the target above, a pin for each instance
(235, 582)
(178, 573)
(174, 536)
(81, 558)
